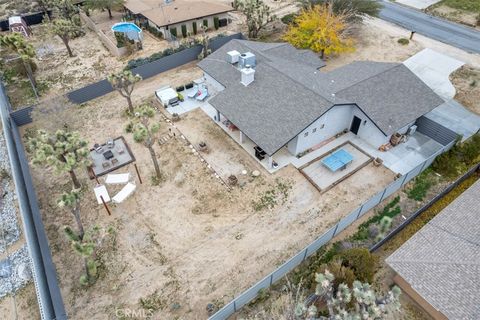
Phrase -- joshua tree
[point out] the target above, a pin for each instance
(105, 5)
(65, 9)
(358, 302)
(87, 248)
(71, 200)
(124, 82)
(205, 40)
(146, 133)
(258, 15)
(16, 42)
(65, 151)
(66, 30)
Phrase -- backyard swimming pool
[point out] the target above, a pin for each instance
(131, 30)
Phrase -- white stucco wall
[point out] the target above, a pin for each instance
(368, 131)
(334, 121)
(189, 25)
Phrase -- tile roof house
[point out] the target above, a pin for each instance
(291, 103)
(168, 16)
(439, 266)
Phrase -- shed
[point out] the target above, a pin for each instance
(18, 24)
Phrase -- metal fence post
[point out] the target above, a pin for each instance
(305, 255)
(335, 232)
(381, 198)
(359, 211)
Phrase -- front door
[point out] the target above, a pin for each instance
(355, 124)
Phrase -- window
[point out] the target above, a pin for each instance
(305, 134)
(314, 130)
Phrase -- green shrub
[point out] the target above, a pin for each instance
(390, 210)
(134, 63)
(184, 30)
(157, 33)
(289, 18)
(361, 261)
(216, 23)
(194, 27)
(342, 273)
(421, 184)
(403, 41)
(459, 158)
(205, 23)
(173, 32)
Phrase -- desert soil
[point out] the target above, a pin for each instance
(467, 83)
(456, 15)
(188, 241)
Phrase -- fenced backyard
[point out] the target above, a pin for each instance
(251, 293)
(148, 70)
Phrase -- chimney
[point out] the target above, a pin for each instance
(248, 75)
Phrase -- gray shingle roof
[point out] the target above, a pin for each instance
(289, 92)
(441, 262)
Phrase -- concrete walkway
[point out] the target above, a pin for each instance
(434, 69)
(455, 117)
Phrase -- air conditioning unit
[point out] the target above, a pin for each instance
(411, 130)
(247, 59)
(233, 56)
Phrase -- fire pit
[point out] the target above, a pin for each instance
(108, 155)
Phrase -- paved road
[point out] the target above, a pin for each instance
(451, 33)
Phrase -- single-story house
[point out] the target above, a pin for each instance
(170, 16)
(284, 100)
(439, 266)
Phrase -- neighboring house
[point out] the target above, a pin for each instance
(439, 266)
(288, 102)
(168, 16)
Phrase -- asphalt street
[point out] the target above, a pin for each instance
(442, 30)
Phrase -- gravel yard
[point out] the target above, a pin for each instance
(15, 266)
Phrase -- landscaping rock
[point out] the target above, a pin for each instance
(24, 272)
(20, 262)
(5, 269)
(255, 173)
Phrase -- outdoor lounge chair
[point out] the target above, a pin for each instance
(203, 94)
(117, 178)
(101, 190)
(124, 193)
(192, 94)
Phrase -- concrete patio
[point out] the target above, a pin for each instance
(188, 104)
(400, 159)
(455, 117)
(323, 178)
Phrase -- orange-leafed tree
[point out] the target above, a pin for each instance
(320, 30)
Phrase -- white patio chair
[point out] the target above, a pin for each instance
(117, 178)
(101, 190)
(124, 193)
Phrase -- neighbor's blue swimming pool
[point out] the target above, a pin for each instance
(125, 27)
